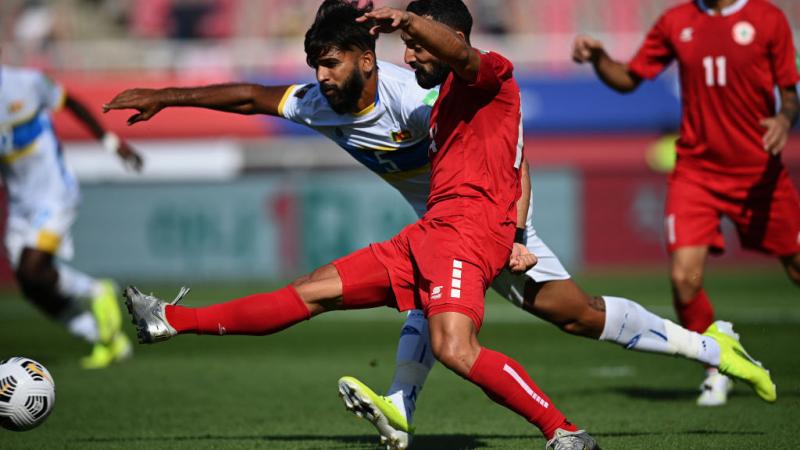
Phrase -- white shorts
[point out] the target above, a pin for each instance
(549, 268)
(48, 230)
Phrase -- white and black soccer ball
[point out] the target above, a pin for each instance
(27, 394)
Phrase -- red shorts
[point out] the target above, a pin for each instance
(766, 215)
(424, 267)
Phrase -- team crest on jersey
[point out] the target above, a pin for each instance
(687, 34)
(15, 107)
(744, 33)
(401, 136)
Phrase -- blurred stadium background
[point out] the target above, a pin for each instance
(235, 204)
(232, 197)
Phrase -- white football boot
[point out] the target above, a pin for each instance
(714, 390)
(572, 440)
(147, 313)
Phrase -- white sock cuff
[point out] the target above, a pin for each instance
(616, 308)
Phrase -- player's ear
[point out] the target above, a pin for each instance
(368, 62)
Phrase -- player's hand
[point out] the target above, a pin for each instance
(521, 259)
(387, 20)
(146, 101)
(777, 133)
(586, 49)
(130, 157)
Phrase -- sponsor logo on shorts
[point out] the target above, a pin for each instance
(455, 291)
(436, 293)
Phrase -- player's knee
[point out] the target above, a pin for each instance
(454, 352)
(687, 282)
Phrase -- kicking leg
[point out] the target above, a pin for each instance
(615, 319)
(630, 325)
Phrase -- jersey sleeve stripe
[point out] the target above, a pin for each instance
(61, 101)
(285, 98)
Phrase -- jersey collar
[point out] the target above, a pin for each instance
(726, 11)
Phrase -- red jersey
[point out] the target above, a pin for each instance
(476, 148)
(729, 67)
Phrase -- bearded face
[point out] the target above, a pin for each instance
(343, 98)
(431, 74)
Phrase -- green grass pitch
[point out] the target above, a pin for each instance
(279, 392)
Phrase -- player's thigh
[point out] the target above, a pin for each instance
(364, 282)
(692, 217)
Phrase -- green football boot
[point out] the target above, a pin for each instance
(735, 362)
(102, 355)
(106, 312)
(380, 411)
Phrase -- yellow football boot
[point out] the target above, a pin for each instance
(384, 415)
(735, 362)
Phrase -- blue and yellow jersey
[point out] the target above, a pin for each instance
(390, 137)
(33, 169)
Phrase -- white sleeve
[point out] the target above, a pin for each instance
(292, 105)
(51, 94)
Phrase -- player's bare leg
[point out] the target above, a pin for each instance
(564, 304)
(87, 307)
(696, 313)
(454, 342)
(792, 266)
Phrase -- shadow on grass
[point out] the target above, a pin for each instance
(664, 394)
(682, 432)
(423, 442)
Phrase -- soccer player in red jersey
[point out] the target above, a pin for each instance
(443, 263)
(732, 55)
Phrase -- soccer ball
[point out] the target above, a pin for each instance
(27, 394)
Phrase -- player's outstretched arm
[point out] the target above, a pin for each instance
(240, 98)
(440, 40)
(614, 74)
(778, 127)
(109, 139)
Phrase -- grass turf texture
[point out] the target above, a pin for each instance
(279, 392)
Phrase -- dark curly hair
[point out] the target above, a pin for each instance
(335, 26)
(453, 13)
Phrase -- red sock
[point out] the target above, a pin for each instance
(698, 314)
(507, 383)
(256, 315)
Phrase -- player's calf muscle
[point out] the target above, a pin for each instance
(565, 305)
